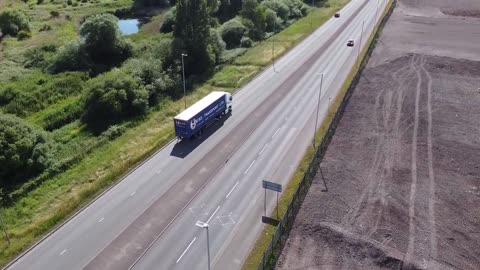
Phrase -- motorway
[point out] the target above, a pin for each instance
(147, 221)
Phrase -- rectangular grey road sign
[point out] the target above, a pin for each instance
(272, 186)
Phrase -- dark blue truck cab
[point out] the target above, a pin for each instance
(192, 121)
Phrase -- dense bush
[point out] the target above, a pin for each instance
(112, 97)
(232, 32)
(156, 3)
(23, 150)
(158, 83)
(38, 91)
(71, 57)
(12, 21)
(246, 42)
(254, 18)
(216, 45)
(64, 115)
(114, 132)
(54, 14)
(169, 21)
(228, 9)
(23, 34)
(39, 57)
(280, 7)
(272, 21)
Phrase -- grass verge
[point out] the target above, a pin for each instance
(56, 199)
(256, 254)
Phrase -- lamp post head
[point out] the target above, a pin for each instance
(201, 224)
(184, 54)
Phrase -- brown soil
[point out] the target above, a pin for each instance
(402, 172)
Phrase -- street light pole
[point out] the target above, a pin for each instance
(318, 107)
(184, 88)
(205, 226)
(4, 229)
(311, 19)
(273, 42)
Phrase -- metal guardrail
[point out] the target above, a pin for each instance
(274, 248)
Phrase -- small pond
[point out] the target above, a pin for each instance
(128, 26)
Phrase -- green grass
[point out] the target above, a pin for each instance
(261, 55)
(256, 254)
(57, 198)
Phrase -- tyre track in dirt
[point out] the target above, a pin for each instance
(373, 196)
(413, 187)
(431, 174)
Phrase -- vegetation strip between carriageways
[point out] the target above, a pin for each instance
(255, 258)
(32, 227)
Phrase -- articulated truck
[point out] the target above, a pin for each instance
(194, 119)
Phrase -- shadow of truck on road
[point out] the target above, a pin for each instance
(184, 147)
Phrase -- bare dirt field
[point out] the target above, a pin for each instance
(403, 169)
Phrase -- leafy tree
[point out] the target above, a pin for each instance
(169, 21)
(232, 32)
(112, 97)
(158, 82)
(254, 18)
(216, 45)
(272, 21)
(13, 21)
(153, 3)
(192, 32)
(282, 9)
(103, 41)
(228, 9)
(23, 150)
(72, 56)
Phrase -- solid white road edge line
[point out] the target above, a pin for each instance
(185, 251)
(232, 189)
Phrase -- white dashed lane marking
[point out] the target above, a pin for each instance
(232, 189)
(251, 164)
(185, 251)
(213, 214)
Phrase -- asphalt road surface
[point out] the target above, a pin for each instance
(147, 221)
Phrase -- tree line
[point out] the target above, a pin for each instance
(116, 80)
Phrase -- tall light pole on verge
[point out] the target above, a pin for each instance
(360, 44)
(318, 107)
(4, 228)
(205, 226)
(311, 20)
(184, 88)
(273, 42)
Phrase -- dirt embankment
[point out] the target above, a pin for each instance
(403, 169)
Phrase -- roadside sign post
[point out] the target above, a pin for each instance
(271, 186)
